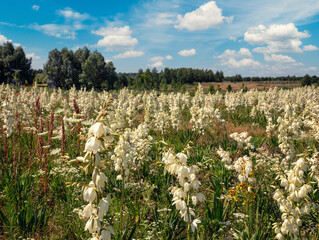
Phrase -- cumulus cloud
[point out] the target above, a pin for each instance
(156, 59)
(246, 62)
(310, 48)
(129, 54)
(277, 37)
(187, 53)
(279, 58)
(116, 38)
(4, 39)
(243, 52)
(33, 56)
(157, 64)
(59, 31)
(69, 13)
(237, 59)
(208, 15)
(168, 57)
(35, 7)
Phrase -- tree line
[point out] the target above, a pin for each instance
(84, 68)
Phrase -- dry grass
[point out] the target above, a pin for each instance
(251, 85)
(229, 128)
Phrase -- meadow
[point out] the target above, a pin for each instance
(83, 164)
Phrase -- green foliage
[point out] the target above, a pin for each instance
(41, 78)
(12, 59)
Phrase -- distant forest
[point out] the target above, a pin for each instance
(84, 68)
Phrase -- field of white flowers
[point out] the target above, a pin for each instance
(153, 165)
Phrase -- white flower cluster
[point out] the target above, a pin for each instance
(242, 139)
(289, 129)
(188, 186)
(123, 155)
(8, 118)
(97, 207)
(293, 198)
(131, 150)
(203, 111)
(225, 157)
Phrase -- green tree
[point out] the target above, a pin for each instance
(306, 80)
(53, 68)
(12, 59)
(71, 69)
(96, 73)
(82, 54)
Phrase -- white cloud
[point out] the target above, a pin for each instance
(162, 18)
(279, 58)
(168, 57)
(232, 39)
(246, 62)
(4, 39)
(33, 56)
(208, 15)
(237, 59)
(187, 53)
(310, 48)
(35, 7)
(156, 59)
(70, 14)
(158, 64)
(312, 69)
(278, 38)
(59, 31)
(116, 38)
(243, 52)
(129, 54)
(79, 46)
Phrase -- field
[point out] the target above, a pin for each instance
(151, 165)
(236, 86)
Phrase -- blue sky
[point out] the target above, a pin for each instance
(247, 37)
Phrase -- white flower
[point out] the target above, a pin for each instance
(279, 236)
(89, 193)
(194, 200)
(194, 224)
(93, 225)
(97, 130)
(93, 145)
(103, 207)
(200, 197)
(89, 210)
(89, 225)
(284, 182)
(101, 179)
(303, 191)
(179, 203)
(182, 157)
(105, 235)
